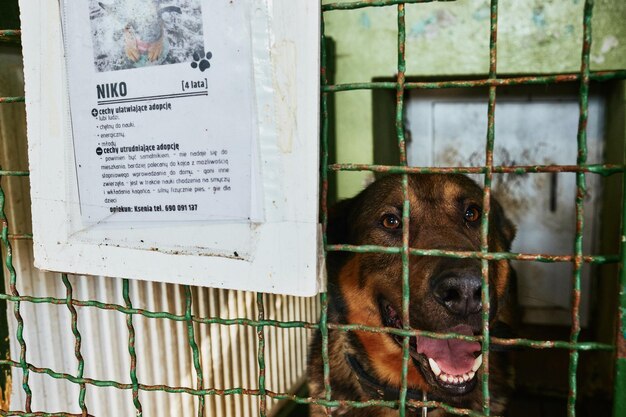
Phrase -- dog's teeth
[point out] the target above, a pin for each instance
(477, 362)
(444, 377)
(435, 368)
(471, 374)
(456, 380)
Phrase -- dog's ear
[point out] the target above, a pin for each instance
(501, 224)
(338, 221)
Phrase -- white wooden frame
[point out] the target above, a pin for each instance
(280, 254)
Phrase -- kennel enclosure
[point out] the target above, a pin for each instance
(413, 27)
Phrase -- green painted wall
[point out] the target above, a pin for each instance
(452, 39)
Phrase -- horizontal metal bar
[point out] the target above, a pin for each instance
(491, 256)
(303, 325)
(10, 35)
(351, 5)
(41, 414)
(225, 392)
(14, 173)
(22, 236)
(483, 82)
(159, 315)
(552, 344)
(296, 324)
(602, 169)
(18, 99)
(535, 344)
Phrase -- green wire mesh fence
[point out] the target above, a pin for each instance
(403, 404)
(581, 169)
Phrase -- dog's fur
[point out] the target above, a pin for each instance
(359, 281)
(143, 26)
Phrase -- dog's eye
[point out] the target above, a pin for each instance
(391, 221)
(472, 214)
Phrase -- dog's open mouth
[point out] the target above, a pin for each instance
(449, 364)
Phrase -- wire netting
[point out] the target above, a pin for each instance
(578, 258)
(581, 170)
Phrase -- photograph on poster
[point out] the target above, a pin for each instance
(138, 33)
(181, 172)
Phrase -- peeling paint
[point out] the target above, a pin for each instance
(431, 25)
(609, 43)
(419, 28)
(539, 18)
(481, 14)
(364, 21)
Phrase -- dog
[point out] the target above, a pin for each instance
(445, 297)
(143, 27)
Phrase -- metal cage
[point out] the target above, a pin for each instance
(400, 86)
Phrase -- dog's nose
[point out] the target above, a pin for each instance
(459, 292)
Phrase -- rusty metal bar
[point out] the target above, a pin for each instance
(18, 99)
(484, 229)
(261, 356)
(131, 349)
(482, 82)
(581, 189)
(619, 389)
(351, 5)
(601, 169)
(195, 352)
(324, 215)
(14, 173)
(8, 254)
(399, 125)
(77, 343)
(491, 256)
(10, 35)
(20, 236)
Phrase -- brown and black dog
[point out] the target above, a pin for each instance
(445, 296)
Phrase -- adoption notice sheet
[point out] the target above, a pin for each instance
(163, 109)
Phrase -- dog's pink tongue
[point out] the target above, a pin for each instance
(454, 356)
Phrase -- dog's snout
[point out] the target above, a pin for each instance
(459, 292)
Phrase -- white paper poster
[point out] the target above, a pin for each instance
(163, 109)
(176, 140)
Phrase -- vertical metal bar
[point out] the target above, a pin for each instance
(619, 389)
(131, 349)
(401, 78)
(484, 235)
(405, 293)
(580, 201)
(77, 344)
(487, 207)
(405, 207)
(194, 348)
(16, 306)
(324, 209)
(261, 355)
